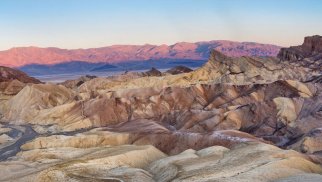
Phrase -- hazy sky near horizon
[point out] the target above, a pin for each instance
(97, 23)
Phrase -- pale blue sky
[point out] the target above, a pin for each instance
(97, 23)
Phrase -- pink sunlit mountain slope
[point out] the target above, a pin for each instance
(21, 56)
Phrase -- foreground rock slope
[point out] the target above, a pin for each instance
(246, 162)
(233, 119)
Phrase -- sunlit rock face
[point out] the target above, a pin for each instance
(233, 119)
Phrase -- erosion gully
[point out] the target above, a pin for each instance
(23, 134)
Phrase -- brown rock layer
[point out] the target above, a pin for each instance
(8, 74)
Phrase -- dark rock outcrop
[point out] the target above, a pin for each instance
(308, 55)
(152, 72)
(12, 81)
(8, 74)
(78, 82)
(178, 69)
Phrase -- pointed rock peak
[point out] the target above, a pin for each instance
(153, 69)
(215, 60)
(153, 72)
(217, 56)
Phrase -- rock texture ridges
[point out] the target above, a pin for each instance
(233, 119)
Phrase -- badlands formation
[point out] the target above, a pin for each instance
(233, 119)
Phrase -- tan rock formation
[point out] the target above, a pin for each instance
(30, 101)
(65, 164)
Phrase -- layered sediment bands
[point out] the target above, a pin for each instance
(143, 132)
(246, 162)
(121, 162)
(271, 110)
(93, 138)
(9, 89)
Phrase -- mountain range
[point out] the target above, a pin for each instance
(21, 56)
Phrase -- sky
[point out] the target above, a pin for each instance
(75, 24)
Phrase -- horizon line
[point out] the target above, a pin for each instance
(167, 44)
